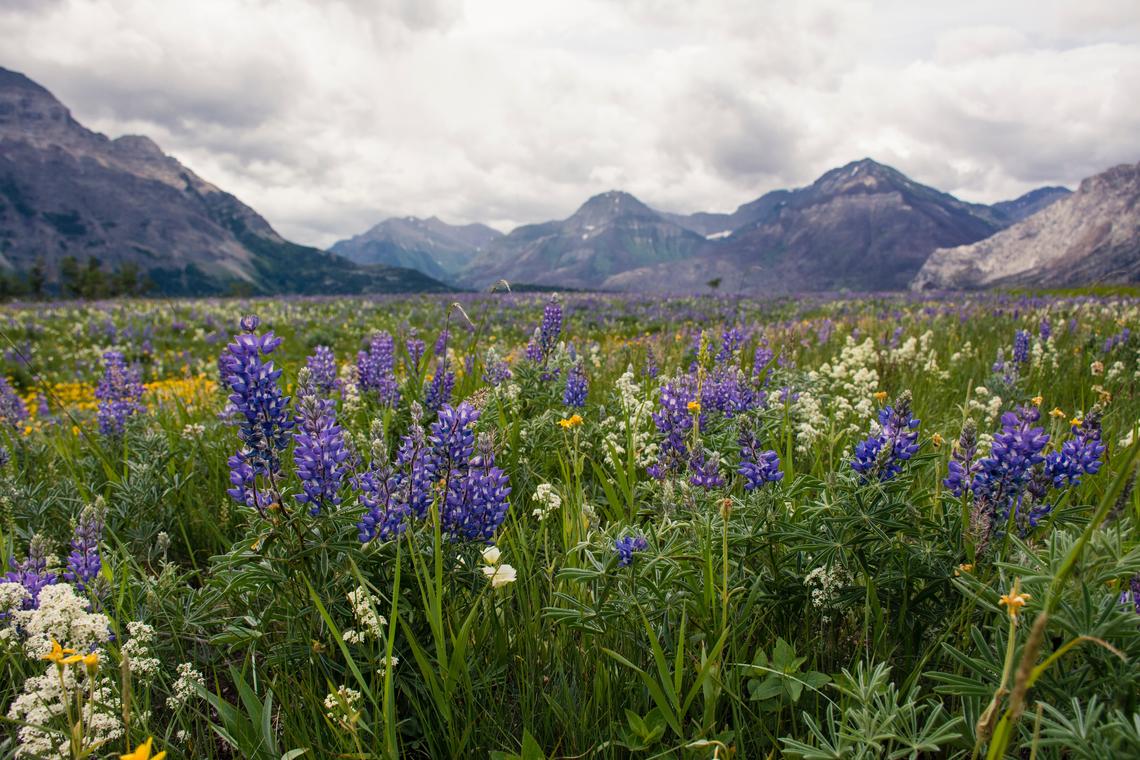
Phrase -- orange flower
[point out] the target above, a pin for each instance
(572, 421)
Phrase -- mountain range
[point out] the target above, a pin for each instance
(861, 227)
(68, 194)
(437, 249)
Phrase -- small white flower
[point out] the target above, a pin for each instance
(500, 575)
(491, 555)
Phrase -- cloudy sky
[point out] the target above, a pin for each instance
(328, 116)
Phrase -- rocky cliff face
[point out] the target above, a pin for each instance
(66, 191)
(611, 233)
(431, 246)
(1092, 236)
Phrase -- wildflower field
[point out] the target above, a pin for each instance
(531, 526)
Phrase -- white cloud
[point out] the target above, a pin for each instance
(326, 117)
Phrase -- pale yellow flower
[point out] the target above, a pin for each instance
(1015, 600)
(500, 575)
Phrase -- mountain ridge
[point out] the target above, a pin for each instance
(1091, 236)
(68, 193)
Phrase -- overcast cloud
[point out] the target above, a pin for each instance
(329, 116)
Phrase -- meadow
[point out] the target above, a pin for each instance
(532, 526)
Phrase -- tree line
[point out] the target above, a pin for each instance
(87, 280)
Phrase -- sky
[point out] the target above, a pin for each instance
(327, 116)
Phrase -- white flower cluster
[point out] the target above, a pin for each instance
(193, 431)
(1043, 355)
(12, 596)
(364, 609)
(852, 381)
(349, 377)
(633, 424)
(986, 404)
(62, 616)
(809, 420)
(547, 499)
(1114, 371)
(965, 353)
(185, 687)
(824, 585)
(137, 651)
(343, 705)
(40, 711)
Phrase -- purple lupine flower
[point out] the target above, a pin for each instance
(119, 393)
(551, 327)
(730, 342)
(380, 491)
(1021, 346)
(416, 348)
(440, 347)
(651, 369)
(12, 408)
(377, 368)
(1045, 329)
(1080, 455)
(627, 545)
(534, 347)
(476, 501)
(576, 387)
(322, 366)
(264, 416)
(496, 371)
(963, 462)
(881, 454)
(761, 374)
(437, 392)
(725, 390)
(32, 573)
(417, 466)
(84, 561)
(705, 471)
(1002, 477)
(757, 466)
(452, 437)
(320, 451)
(674, 422)
(1131, 594)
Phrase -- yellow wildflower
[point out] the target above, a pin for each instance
(572, 421)
(57, 653)
(1015, 600)
(880, 395)
(142, 752)
(1057, 413)
(1037, 400)
(694, 406)
(965, 567)
(937, 440)
(1075, 421)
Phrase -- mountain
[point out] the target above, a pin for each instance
(1091, 236)
(611, 233)
(431, 246)
(862, 227)
(1029, 204)
(68, 194)
(715, 226)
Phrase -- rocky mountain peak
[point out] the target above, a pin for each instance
(611, 205)
(28, 110)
